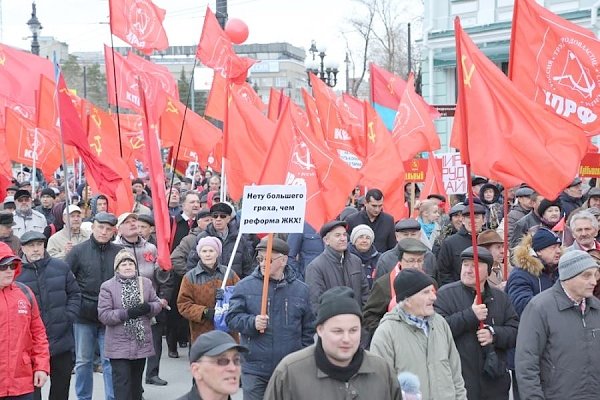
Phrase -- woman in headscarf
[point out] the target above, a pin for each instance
(126, 305)
(197, 295)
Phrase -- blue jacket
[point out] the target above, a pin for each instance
(291, 320)
(58, 298)
(304, 247)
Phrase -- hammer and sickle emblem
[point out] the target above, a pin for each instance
(136, 142)
(414, 165)
(96, 118)
(371, 134)
(97, 145)
(467, 72)
(171, 107)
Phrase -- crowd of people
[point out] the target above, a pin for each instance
(363, 306)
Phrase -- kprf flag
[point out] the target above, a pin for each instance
(555, 63)
(217, 101)
(139, 23)
(506, 136)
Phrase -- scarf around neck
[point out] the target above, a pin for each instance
(131, 297)
(427, 227)
(342, 374)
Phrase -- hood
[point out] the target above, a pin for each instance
(6, 251)
(524, 257)
(496, 193)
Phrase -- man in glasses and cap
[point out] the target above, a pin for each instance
(25, 360)
(215, 364)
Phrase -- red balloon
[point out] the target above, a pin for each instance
(236, 30)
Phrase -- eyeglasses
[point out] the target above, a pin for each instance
(12, 266)
(260, 258)
(413, 260)
(220, 216)
(23, 199)
(224, 361)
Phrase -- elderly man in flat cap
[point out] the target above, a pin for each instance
(287, 327)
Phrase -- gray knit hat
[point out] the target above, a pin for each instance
(574, 262)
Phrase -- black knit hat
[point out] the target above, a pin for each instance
(409, 282)
(546, 204)
(48, 192)
(336, 301)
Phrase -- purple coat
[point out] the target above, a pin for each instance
(117, 343)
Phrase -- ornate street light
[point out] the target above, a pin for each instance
(326, 71)
(35, 27)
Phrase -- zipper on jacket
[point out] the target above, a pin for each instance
(268, 307)
(286, 312)
(37, 280)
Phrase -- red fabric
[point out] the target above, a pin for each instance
(157, 78)
(277, 101)
(132, 135)
(215, 50)
(73, 134)
(434, 183)
(518, 140)
(297, 157)
(126, 83)
(157, 185)
(313, 115)
(554, 63)
(381, 156)
(414, 131)
(250, 136)
(356, 107)
(22, 338)
(216, 102)
(139, 23)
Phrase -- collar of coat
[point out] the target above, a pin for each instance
(564, 302)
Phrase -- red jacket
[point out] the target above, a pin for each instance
(23, 343)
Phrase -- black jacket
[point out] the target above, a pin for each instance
(383, 227)
(522, 228)
(448, 261)
(568, 203)
(390, 258)
(92, 264)
(58, 298)
(182, 228)
(454, 303)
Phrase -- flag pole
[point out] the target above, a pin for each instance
(35, 156)
(112, 52)
(505, 239)
(225, 140)
(265, 290)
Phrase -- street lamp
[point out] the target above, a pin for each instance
(35, 27)
(326, 71)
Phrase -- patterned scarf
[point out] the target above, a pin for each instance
(130, 294)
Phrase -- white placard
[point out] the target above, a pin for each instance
(454, 173)
(273, 209)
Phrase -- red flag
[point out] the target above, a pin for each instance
(343, 129)
(313, 115)
(277, 101)
(161, 212)
(126, 82)
(216, 102)
(554, 62)
(434, 183)
(250, 137)
(215, 50)
(156, 78)
(414, 130)
(356, 108)
(198, 134)
(517, 141)
(139, 23)
(73, 134)
(132, 134)
(296, 157)
(28, 142)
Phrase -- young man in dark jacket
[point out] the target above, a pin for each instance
(58, 298)
(288, 325)
(480, 329)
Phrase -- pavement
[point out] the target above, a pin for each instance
(176, 371)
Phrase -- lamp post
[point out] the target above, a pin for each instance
(326, 71)
(35, 27)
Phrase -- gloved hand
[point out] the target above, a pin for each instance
(138, 311)
(208, 314)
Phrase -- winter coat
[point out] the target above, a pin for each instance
(390, 258)
(449, 263)
(304, 247)
(13, 242)
(298, 378)
(433, 358)
(57, 242)
(198, 292)
(34, 222)
(242, 261)
(58, 298)
(522, 228)
(568, 204)
(331, 269)
(92, 263)
(383, 227)
(368, 260)
(454, 303)
(22, 338)
(557, 355)
(514, 215)
(494, 213)
(291, 320)
(117, 343)
(377, 303)
(180, 255)
(180, 228)
(46, 212)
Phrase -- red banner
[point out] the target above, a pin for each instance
(590, 166)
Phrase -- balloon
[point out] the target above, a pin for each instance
(236, 30)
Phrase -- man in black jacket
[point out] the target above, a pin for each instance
(58, 298)
(372, 215)
(92, 263)
(480, 330)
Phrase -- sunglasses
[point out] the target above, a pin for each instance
(12, 266)
(220, 216)
(224, 361)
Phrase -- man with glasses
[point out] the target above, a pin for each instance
(26, 218)
(287, 327)
(25, 358)
(215, 364)
(411, 255)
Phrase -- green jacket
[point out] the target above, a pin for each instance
(434, 358)
(298, 378)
